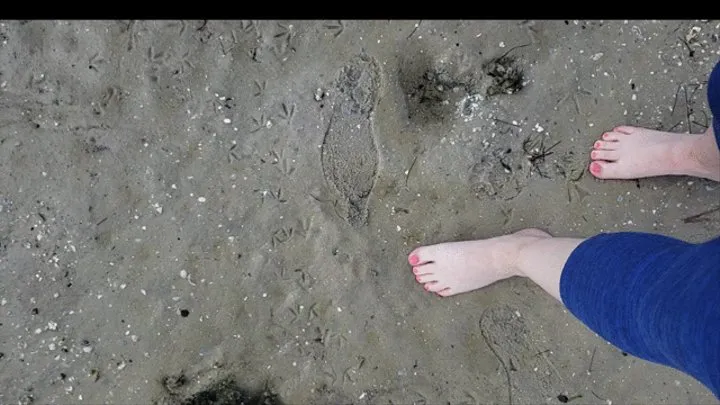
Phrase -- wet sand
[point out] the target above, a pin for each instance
(184, 204)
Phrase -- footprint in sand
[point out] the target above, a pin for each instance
(528, 374)
(349, 154)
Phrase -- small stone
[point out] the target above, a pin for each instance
(87, 349)
(183, 274)
(201, 199)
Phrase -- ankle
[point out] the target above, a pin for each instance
(699, 157)
(518, 260)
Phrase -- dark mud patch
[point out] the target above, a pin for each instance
(505, 76)
(224, 392)
(434, 85)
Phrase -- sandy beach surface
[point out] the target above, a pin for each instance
(206, 212)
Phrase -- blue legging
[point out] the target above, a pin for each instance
(655, 297)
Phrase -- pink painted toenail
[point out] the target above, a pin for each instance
(414, 260)
(595, 167)
(605, 135)
(593, 154)
(415, 270)
(597, 144)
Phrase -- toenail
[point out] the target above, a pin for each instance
(595, 167)
(597, 144)
(415, 270)
(414, 260)
(427, 287)
(593, 154)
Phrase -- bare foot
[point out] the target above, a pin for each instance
(632, 152)
(453, 268)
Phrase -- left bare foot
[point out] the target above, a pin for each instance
(453, 268)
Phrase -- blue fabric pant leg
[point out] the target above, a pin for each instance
(714, 100)
(655, 297)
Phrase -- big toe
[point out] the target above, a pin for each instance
(422, 255)
(604, 170)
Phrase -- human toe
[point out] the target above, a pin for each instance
(604, 145)
(603, 170)
(607, 155)
(425, 278)
(436, 286)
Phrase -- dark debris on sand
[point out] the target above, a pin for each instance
(227, 392)
(507, 76)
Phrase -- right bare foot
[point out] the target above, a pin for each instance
(631, 152)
